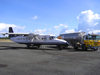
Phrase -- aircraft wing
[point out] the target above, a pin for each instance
(11, 33)
(14, 33)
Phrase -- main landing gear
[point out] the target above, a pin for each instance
(33, 46)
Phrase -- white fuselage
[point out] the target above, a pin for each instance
(38, 39)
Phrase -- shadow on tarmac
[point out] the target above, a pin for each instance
(15, 46)
(51, 48)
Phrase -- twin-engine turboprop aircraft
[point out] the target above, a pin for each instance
(36, 40)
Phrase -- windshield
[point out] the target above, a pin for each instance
(51, 37)
(97, 37)
(93, 37)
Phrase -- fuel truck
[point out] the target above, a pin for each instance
(82, 40)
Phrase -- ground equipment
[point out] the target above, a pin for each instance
(82, 40)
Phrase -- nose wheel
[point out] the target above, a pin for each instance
(59, 47)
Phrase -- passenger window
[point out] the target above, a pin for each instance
(44, 38)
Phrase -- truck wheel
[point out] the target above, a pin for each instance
(84, 47)
(95, 49)
(75, 47)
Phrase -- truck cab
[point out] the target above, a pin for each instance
(91, 41)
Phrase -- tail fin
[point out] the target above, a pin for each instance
(11, 31)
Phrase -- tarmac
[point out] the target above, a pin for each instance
(16, 59)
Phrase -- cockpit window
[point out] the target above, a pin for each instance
(51, 37)
(97, 37)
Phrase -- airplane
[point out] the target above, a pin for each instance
(35, 40)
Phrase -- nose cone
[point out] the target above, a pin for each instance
(64, 42)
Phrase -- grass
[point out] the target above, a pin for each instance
(5, 40)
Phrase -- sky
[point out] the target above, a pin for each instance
(50, 16)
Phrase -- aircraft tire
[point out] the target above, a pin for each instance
(38, 46)
(59, 47)
(28, 46)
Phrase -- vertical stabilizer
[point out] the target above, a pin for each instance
(11, 31)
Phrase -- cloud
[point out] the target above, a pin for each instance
(35, 17)
(4, 27)
(89, 21)
(70, 31)
(40, 31)
(64, 28)
(60, 26)
(94, 31)
(63, 31)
